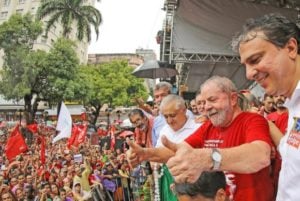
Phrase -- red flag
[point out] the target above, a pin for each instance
(112, 137)
(33, 128)
(43, 150)
(78, 135)
(73, 136)
(82, 130)
(15, 144)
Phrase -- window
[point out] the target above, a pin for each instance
(4, 14)
(6, 3)
(19, 11)
(22, 1)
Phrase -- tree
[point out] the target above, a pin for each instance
(110, 83)
(68, 12)
(27, 73)
(17, 36)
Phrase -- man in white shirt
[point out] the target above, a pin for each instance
(269, 49)
(179, 125)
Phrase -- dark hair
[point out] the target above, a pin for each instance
(207, 185)
(267, 96)
(277, 30)
(61, 190)
(136, 111)
(31, 192)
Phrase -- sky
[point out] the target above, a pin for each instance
(128, 25)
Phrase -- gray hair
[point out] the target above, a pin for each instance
(277, 30)
(223, 83)
(171, 98)
(163, 85)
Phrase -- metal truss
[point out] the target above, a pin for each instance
(199, 58)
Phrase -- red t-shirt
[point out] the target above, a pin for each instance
(245, 128)
(282, 121)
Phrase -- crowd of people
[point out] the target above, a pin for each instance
(85, 171)
(226, 144)
(255, 143)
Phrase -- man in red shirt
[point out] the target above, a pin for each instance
(233, 141)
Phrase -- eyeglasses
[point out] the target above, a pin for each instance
(137, 122)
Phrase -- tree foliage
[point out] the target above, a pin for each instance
(62, 66)
(50, 76)
(69, 12)
(110, 83)
(16, 40)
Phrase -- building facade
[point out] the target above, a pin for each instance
(11, 110)
(10, 7)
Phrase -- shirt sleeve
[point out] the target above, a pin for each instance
(257, 128)
(196, 139)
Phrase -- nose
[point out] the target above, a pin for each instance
(158, 99)
(251, 73)
(207, 107)
(169, 119)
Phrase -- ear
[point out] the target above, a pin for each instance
(292, 48)
(234, 98)
(220, 195)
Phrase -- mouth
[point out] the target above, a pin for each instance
(261, 79)
(210, 114)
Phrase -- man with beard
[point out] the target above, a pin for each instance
(232, 141)
(143, 127)
(280, 116)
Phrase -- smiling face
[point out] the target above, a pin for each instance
(219, 106)
(138, 121)
(200, 103)
(159, 94)
(175, 116)
(270, 66)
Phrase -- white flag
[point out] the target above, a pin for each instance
(64, 124)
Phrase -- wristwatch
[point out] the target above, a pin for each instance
(216, 158)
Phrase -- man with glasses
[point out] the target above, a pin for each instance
(143, 127)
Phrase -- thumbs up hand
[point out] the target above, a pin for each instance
(188, 163)
(135, 155)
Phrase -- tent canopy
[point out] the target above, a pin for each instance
(202, 34)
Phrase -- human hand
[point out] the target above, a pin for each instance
(135, 154)
(188, 163)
